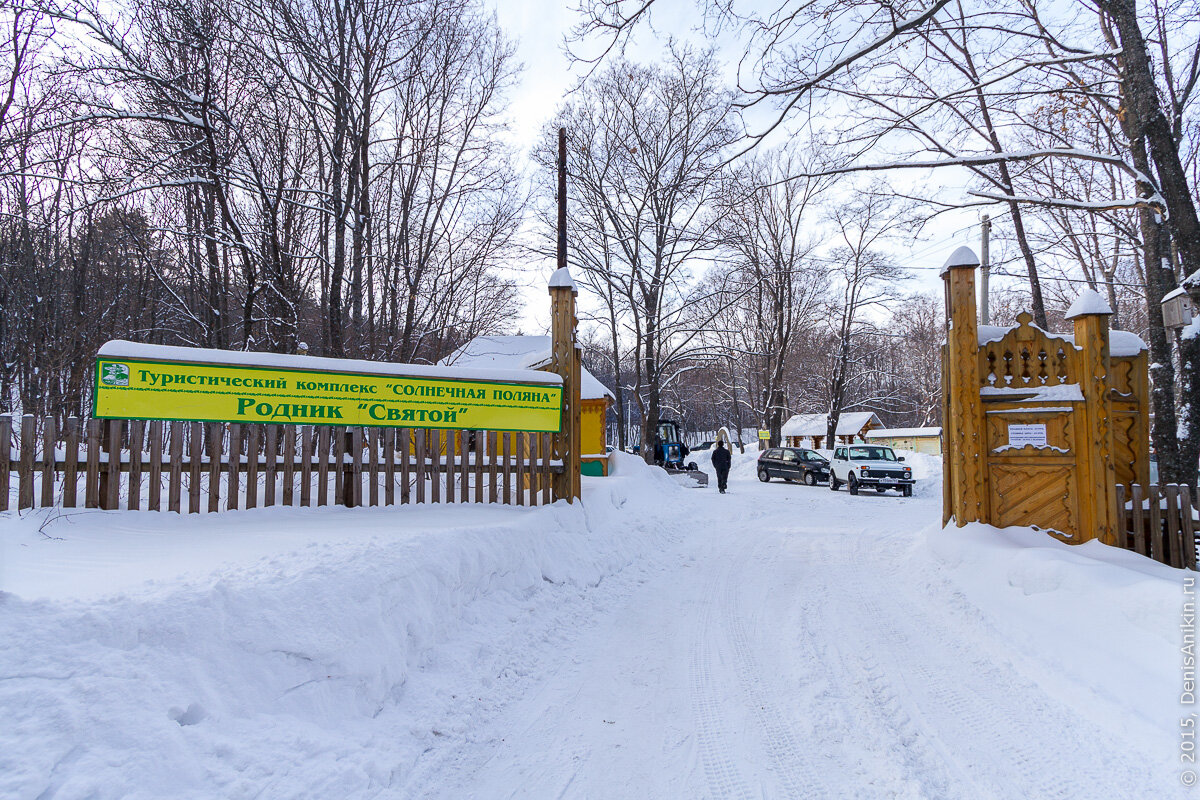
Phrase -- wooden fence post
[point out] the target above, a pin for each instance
(252, 432)
(389, 466)
(25, 464)
(136, 431)
(216, 439)
(175, 464)
(71, 464)
(92, 479)
(323, 435)
(110, 488)
(196, 462)
(289, 464)
(49, 440)
(154, 480)
(966, 438)
(5, 460)
(233, 481)
(306, 454)
(270, 464)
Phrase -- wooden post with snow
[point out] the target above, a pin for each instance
(964, 426)
(565, 362)
(1094, 454)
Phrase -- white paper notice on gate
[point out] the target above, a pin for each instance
(1021, 435)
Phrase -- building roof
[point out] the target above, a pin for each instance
(809, 425)
(517, 352)
(903, 433)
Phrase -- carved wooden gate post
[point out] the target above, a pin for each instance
(965, 442)
(1094, 459)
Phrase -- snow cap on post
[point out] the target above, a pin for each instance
(1089, 302)
(962, 257)
(561, 279)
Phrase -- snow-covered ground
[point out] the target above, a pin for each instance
(651, 642)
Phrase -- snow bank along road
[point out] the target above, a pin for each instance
(781, 641)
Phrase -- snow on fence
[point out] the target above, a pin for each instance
(132, 464)
(1159, 523)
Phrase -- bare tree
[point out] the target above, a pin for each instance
(864, 278)
(766, 229)
(646, 144)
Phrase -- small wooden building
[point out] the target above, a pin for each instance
(810, 430)
(534, 352)
(918, 440)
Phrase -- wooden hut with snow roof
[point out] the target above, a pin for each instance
(811, 430)
(534, 352)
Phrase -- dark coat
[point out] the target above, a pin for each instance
(721, 459)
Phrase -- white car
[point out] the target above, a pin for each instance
(870, 465)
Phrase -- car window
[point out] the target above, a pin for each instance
(771, 454)
(839, 453)
(809, 455)
(872, 454)
(789, 455)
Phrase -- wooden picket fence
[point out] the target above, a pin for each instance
(132, 464)
(1159, 522)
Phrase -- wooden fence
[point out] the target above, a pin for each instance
(1159, 522)
(133, 464)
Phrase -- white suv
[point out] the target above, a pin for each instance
(871, 465)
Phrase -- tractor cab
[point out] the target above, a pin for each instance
(669, 449)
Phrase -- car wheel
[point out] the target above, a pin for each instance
(907, 492)
(833, 482)
(764, 476)
(852, 484)
(881, 489)
(810, 479)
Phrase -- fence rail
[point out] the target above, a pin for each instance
(1159, 522)
(219, 466)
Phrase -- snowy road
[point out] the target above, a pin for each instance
(777, 642)
(789, 652)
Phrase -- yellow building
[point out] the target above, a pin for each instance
(918, 440)
(533, 352)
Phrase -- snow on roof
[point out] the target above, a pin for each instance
(897, 433)
(1088, 302)
(1172, 295)
(962, 257)
(517, 352)
(808, 425)
(562, 278)
(119, 348)
(1121, 344)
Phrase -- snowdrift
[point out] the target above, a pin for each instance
(152, 655)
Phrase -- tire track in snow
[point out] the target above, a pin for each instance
(907, 757)
(793, 763)
(713, 735)
(1001, 729)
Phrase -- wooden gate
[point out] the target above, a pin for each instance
(1040, 428)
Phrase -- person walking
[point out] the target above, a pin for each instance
(720, 462)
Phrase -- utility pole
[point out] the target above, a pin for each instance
(985, 265)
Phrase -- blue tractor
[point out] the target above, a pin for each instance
(669, 449)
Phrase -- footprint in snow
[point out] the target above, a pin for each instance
(194, 714)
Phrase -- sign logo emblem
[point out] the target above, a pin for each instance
(114, 374)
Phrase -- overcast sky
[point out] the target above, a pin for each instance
(538, 27)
